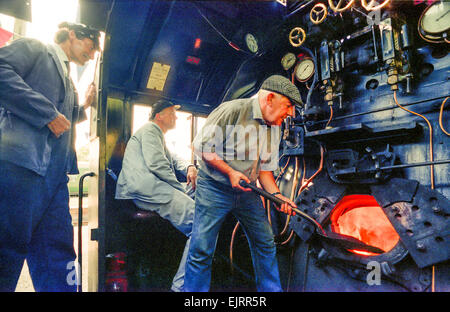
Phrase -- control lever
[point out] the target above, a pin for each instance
(345, 241)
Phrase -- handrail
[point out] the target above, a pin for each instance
(80, 224)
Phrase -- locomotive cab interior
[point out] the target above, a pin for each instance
(367, 155)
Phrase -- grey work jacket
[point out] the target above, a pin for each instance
(148, 169)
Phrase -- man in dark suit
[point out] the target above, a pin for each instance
(38, 110)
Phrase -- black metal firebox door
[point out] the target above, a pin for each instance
(418, 214)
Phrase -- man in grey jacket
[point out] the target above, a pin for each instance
(148, 177)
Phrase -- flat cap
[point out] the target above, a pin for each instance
(83, 31)
(160, 105)
(283, 86)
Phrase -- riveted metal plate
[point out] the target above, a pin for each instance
(317, 201)
(420, 217)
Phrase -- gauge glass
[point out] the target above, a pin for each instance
(436, 18)
(304, 70)
(252, 43)
(288, 60)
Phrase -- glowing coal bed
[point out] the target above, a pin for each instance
(360, 216)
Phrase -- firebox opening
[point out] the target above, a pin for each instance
(360, 216)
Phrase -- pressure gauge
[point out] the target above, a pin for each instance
(251, 42)
(288, 60)
(436, 18)
(304, 70)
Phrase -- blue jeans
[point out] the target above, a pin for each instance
(213, 202)
(35, 224)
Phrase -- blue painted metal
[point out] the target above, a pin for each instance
(365, 115)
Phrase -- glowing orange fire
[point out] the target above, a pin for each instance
(360, 216)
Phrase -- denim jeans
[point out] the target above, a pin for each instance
(213, 202)
(35, 224)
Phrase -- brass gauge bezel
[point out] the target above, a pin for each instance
(429, 35)
(288, 60)
(251, 42)
(427, 14)
(299, 64)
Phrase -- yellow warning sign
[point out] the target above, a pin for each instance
(158, 76)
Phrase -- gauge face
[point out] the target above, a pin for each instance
(304, 70)
(288, 60)
(252, 43)
(436, 18)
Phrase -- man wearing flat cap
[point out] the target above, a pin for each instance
(38, 111)
(240, 141)
(149, 177)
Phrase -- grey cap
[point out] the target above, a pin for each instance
(283, 86)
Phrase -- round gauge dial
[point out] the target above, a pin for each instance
(436, 18)
(251, 42)
(288, 60)
(304, 70)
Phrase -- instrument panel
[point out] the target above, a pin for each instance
(341, 39)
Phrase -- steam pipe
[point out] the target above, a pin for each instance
(425, 163)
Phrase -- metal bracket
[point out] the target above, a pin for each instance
(317, 201)
(348, 166)
(293, 141)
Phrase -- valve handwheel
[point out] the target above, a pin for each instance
(373, 5)
(297, 36)
(318, 13)
(340, 6)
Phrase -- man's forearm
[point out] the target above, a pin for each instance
(268, 181)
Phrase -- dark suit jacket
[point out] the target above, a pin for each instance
(33, 90)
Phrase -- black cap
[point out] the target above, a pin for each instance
(160, 105)
(83, 31)
(283, 86)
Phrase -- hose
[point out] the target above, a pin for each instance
(316, 77)
(292, 197)
(231, 246)
(331, 116)
(433, 270)
(441, 112)
(431, 136)
(267, 207)
(304, 185)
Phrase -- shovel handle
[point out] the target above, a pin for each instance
(279, 202)
(262, 192)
